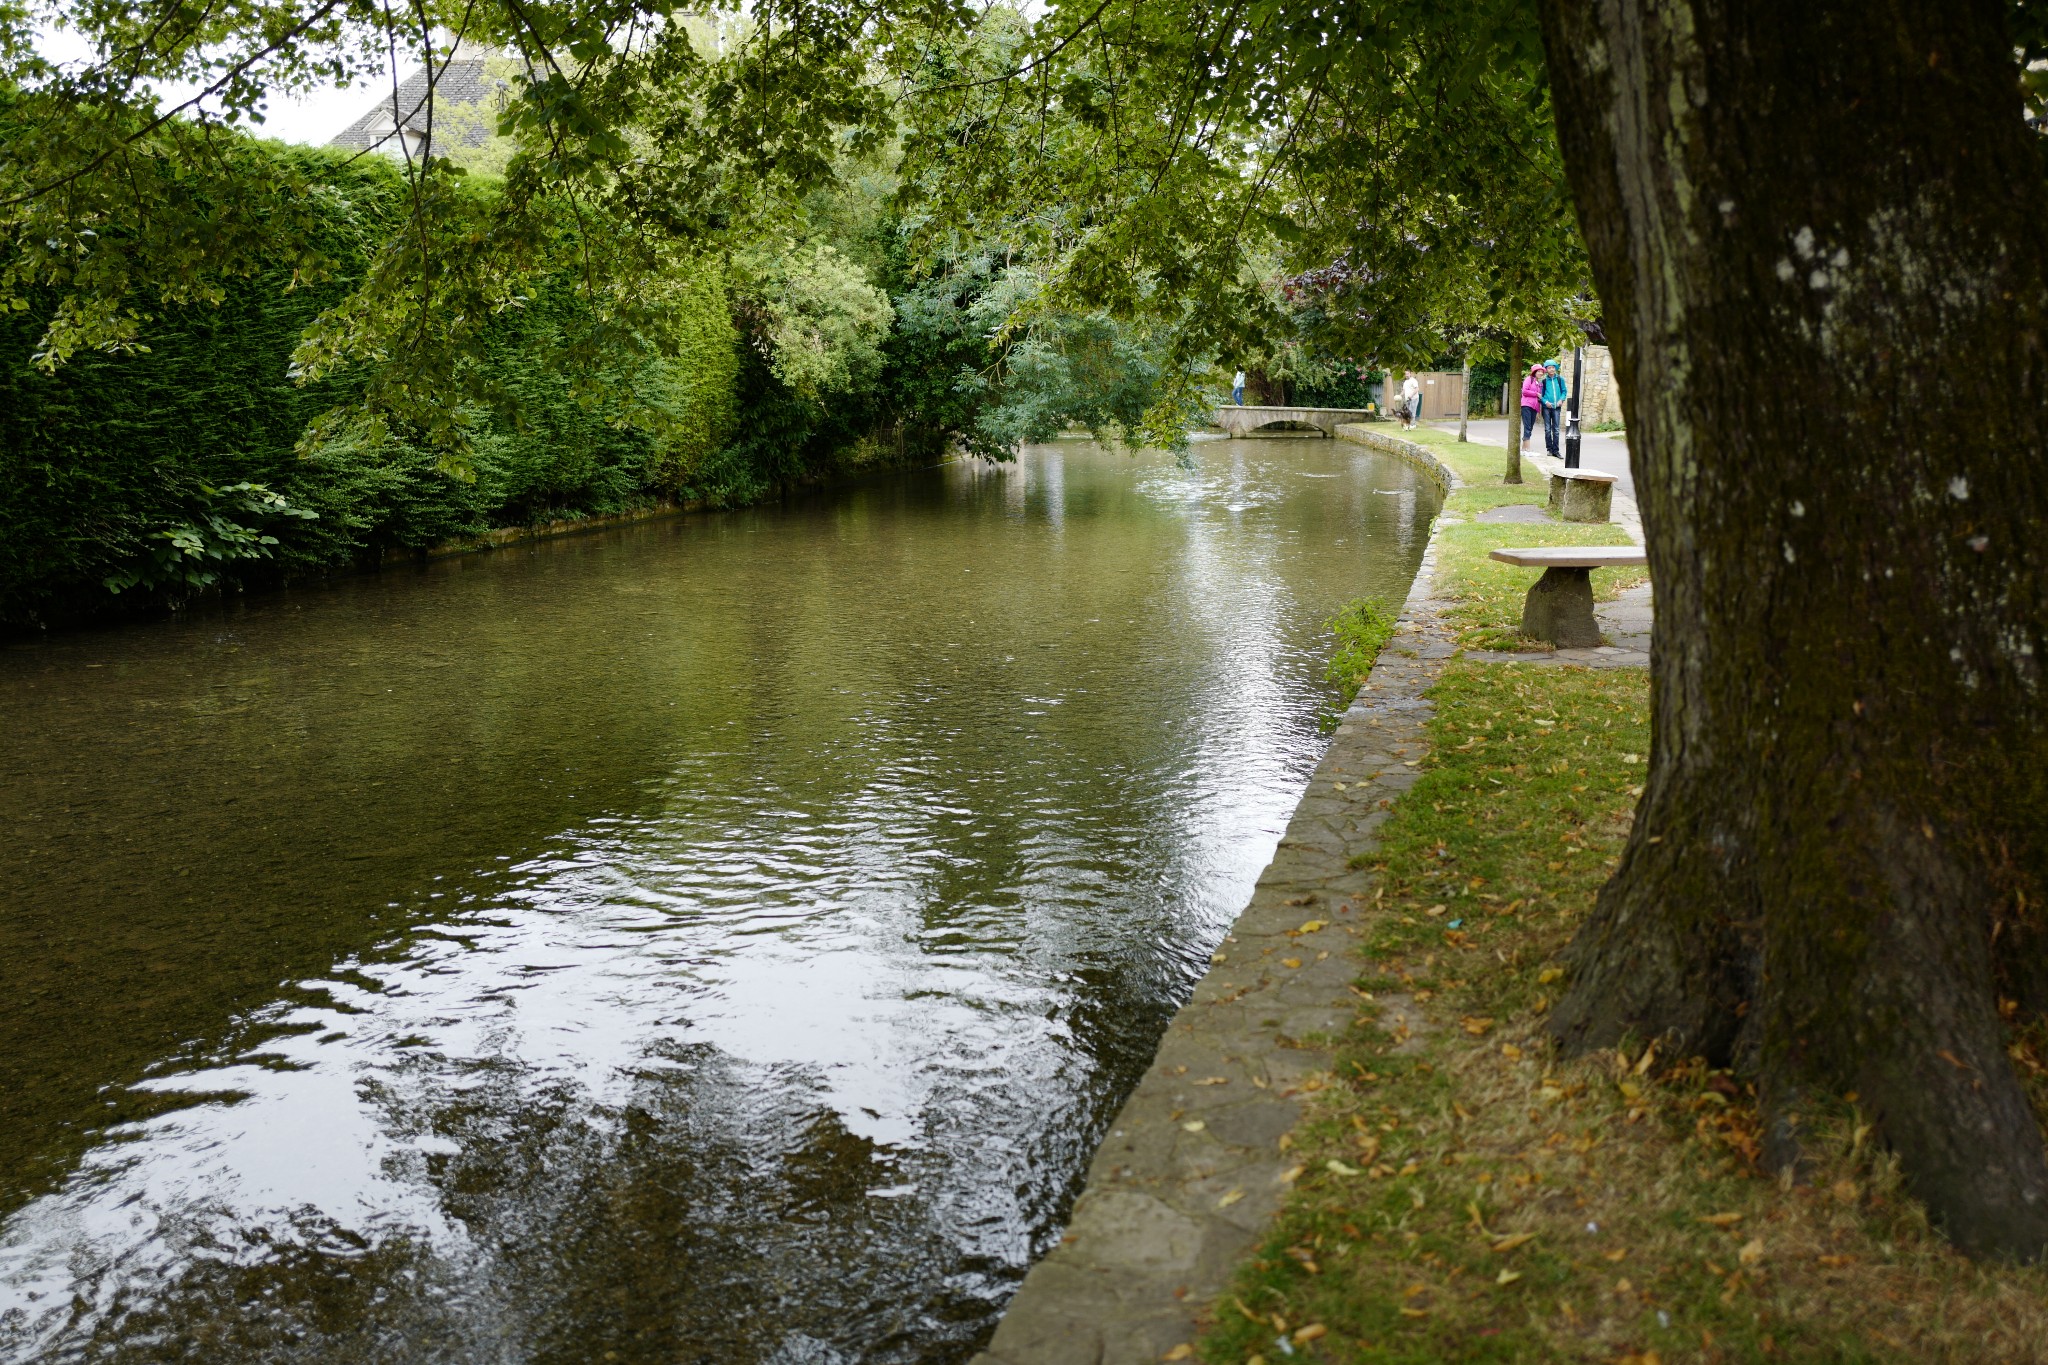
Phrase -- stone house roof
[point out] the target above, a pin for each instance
(397, 124)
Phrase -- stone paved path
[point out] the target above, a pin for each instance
(1604, 451)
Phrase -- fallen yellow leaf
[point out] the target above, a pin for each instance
(1310, 926)
(1513, 1240)
(1194, 1126)
(1292, 1174)
(1507, 1277)
(1476, 1027)
(1548, 975)
(1214, 1080)
(1618, 1254)
(1414, 1312)
(1184, 1351)
(1336, 1167)
(1315, 1331)
(1290, 962)
(1227, 1200)
(1752, 1251)
(1721, 1220)
(1511, 1052)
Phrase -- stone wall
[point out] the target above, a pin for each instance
(1599, 396)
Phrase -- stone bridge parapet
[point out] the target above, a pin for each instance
(1240, 421)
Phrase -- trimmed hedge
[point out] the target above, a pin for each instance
(97, 460)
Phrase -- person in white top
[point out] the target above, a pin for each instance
(1411, 401)
(1237, 389)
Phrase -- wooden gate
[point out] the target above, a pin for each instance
(1443, 394)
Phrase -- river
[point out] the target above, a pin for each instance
(720, 939)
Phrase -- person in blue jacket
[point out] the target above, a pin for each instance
(1555, 394)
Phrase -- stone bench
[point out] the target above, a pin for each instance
(1582, 494)
(1559, 608)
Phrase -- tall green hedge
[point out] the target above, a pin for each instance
(101, 457)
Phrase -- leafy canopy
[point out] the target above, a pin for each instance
(1149, 158)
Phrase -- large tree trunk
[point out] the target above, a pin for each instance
(1820, 236)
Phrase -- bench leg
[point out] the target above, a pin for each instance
(1560, 609)
(1585, 501)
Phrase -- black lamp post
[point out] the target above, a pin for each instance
(1571, 424)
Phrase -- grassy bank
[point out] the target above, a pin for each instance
(1487, 595)
(1462, 1194)
(1466, 1196)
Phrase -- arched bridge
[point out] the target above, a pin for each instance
(1240, 420)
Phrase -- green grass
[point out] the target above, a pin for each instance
(1487, 594)
(1493, 1202)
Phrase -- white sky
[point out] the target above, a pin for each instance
(314, 117)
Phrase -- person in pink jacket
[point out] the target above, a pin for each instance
(1532, 401)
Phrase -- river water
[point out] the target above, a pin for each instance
(722, 939)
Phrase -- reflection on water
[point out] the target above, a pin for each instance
(720, 940)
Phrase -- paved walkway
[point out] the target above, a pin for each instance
(1604, 451)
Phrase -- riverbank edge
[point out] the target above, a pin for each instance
(1357, 433)
(398, 557)
(1196, 1165)
(502, 536)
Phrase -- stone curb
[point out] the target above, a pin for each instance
(1191, 1173)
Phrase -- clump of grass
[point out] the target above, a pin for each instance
(1463, 1194)
(1362, 627)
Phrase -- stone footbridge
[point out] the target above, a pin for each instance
(1239, 421)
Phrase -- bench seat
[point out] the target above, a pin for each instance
(1559, 609)
(1582, 494)
(1575, 557)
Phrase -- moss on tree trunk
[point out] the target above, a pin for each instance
(1820, 236)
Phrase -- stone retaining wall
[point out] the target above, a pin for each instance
(1418, 455)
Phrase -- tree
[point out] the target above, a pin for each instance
(1821, 238)
(1391, 163)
